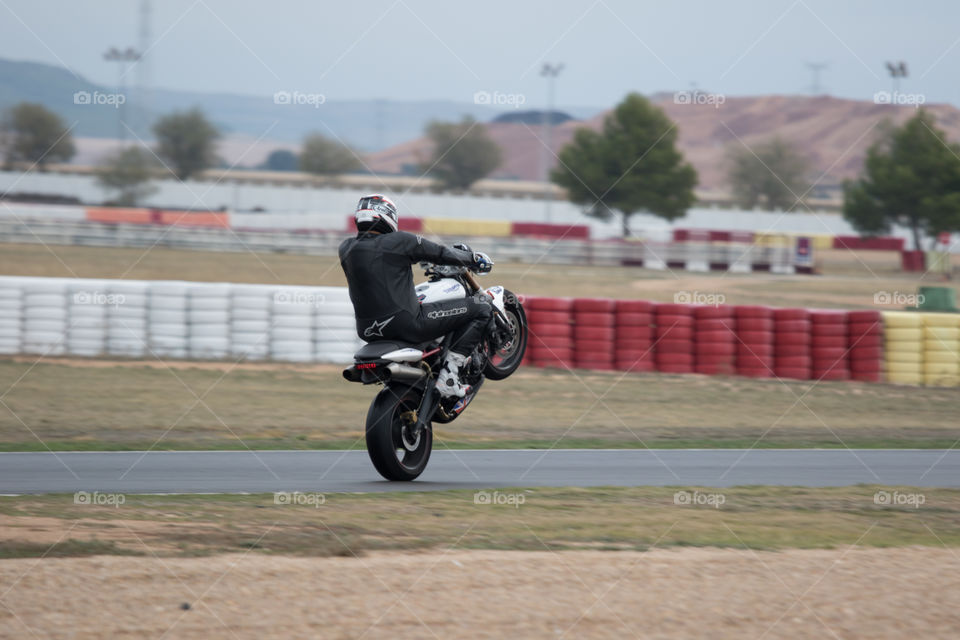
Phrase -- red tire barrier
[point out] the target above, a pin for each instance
(634, 345)
(674, 345)
(715, 340)
(828, 346)
(635, 306)
(551, 331)
(591, 319)
(753, 311)
(631, 319)
(547, 330)
(716, 324)
(866, 344)
(755, 340)
(791, 326)
(791, 350)
(535, 316)
(594, 305)
(797, 373)
(594, 333)
(751, 323)
(780, 315)
(532, 303)
(635, 335)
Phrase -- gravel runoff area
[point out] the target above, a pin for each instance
(682, 593)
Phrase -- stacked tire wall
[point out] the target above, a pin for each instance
(594, 333)
(941, 346)
(829, 350)
(674, 347)
(715, 340)
(180, 320)
(791, 349)
(635, 335)
(755, 341)
(865, 340)
(175, 320)
(903, 347)
(550, 340)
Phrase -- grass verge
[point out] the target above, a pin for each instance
(520, 519)
(111, 405)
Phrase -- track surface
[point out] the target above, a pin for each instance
(333, 471)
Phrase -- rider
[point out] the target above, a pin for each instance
(377, 265)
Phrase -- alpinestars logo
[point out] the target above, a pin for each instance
(376, 329)
(446, 313)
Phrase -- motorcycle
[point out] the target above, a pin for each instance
(399, 425)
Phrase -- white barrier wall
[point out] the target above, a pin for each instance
(311, 207)
(176, 320)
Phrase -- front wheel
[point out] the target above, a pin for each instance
(396, 450)
(506, 346)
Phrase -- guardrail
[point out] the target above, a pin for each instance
(689, 256)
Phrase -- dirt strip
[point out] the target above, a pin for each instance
(716, 593)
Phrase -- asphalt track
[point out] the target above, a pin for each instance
(351, 471)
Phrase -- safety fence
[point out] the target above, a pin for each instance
(754, 341)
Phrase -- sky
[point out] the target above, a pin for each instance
(446, 49)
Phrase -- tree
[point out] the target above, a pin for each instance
(632, 165)
(281, 160)
(187, 141)
(322, 156)
(774, 172)
(463, 152)
(128, 172)
(911, 178)
(30, 132)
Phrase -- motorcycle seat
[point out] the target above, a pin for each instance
(374, 350)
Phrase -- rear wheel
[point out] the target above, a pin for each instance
(505, 347)
(397, 451)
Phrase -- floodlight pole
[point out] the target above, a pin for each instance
(121, 58)
(550, 72)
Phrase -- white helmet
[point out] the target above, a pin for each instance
(376, 212)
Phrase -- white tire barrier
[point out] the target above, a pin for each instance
(177, 320)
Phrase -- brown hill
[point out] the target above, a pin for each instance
(833, 132)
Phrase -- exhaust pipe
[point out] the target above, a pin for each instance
(405, 371)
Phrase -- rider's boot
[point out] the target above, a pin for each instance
(448, 380)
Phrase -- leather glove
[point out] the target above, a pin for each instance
(482, 262)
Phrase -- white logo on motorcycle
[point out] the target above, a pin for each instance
(376, 329)
(446, 313)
